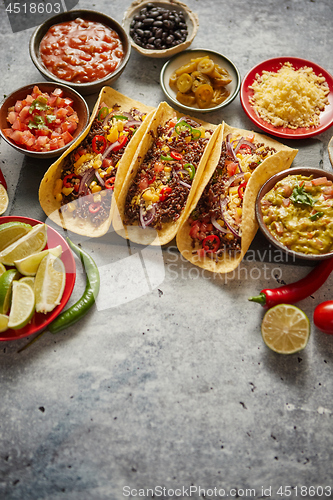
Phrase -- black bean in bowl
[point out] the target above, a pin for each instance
(157, 28)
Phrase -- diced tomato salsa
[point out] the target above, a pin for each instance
(42, 122)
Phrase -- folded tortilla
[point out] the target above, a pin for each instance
(53, 208)
(149, 235)
(279, 161)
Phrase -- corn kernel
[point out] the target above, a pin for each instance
(57, 186)
(239, 211)
(70, 207)
(167, 169)
(165, 148)
(97, 198)
(67, 190)
(58, 197)
(233, 190)
(113, 134)
(150, 196)
(96, 189)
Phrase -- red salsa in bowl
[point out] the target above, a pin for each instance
(81, 50)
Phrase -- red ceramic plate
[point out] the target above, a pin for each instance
(326, 117)
(39, 320)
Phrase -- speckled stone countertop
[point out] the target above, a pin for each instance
(166, 387)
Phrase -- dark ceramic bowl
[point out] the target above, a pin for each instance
(79, 105)
(307, 171)
(91, 15)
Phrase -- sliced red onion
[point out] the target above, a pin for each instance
(132, 123)
(231, 151)
(232, 179)
(227, 218)
(185, 184)
(218, 226)
(87, 177)
(99, 178)
(109, 149)
(147, 216)
(242, 142)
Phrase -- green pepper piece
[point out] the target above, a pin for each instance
(120, 117)
(166, 158)
(181, 126)
(196, 133)
(316, 216)
(191, 170)
(103, 113)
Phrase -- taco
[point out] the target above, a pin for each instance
(221, 222)
(77, 190)
(163, 177)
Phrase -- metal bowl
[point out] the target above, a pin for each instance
(191, 19)
(183, 58)
(79, 105)
(307, 171)
(91, 15)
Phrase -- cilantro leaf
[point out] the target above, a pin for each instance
(40, 103)
(301, 197)
(37, 122)
(316, 216)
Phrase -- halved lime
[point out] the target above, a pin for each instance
(3, 322)
(28, 265)
(49, 283)
(285, 329)
(23, 305)
(6, 281)
(4, 200)
(12, 231)
(34, 241)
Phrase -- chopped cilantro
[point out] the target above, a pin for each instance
(39, 103)
(50, 118)
(37, 122)
(301, 197)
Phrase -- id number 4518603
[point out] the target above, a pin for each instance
(304, 491)
(33, 8)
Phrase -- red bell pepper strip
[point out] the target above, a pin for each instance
(3, 180)
(99, 144)
(211, 243)
(241, 188)
(122, 141)
(294, 292)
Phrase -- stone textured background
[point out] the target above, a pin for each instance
(167, 382)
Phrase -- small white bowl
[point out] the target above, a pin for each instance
(180, 59)
(191, 19)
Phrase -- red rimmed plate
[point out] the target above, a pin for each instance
(39, 320)
(326, 116)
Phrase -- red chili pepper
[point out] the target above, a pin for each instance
(94, 208)
(294, 292)
(3, 180)
(122, 141)
(66, 180)
(152, 180)
(99, 144)
(109, 183)
(211, 243)
(164, 193)
(241, 189)
(246, 147)
(175, 155)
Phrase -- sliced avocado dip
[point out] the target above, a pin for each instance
(298, 212)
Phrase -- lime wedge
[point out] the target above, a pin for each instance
(34, 241)
(285, 329)
(6, 281)
(12, 231)
(49, 283)
(28, 265)
(23, 305)
(29, 280)
(3, 322)
(4, 200)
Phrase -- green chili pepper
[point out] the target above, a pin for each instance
(196, 133)
(316, 216)
(166, 158)
(191, 170)
(103, 113)
(120, 117)
(181, 126)
(81, 307)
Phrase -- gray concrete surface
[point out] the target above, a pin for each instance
(166, 383)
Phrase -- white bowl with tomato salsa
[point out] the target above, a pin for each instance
(42, 120)
(292, 215)
(82, 48)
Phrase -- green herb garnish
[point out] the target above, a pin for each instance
(301, 197)
(37, 122)
(316, 216)
(40, 103)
